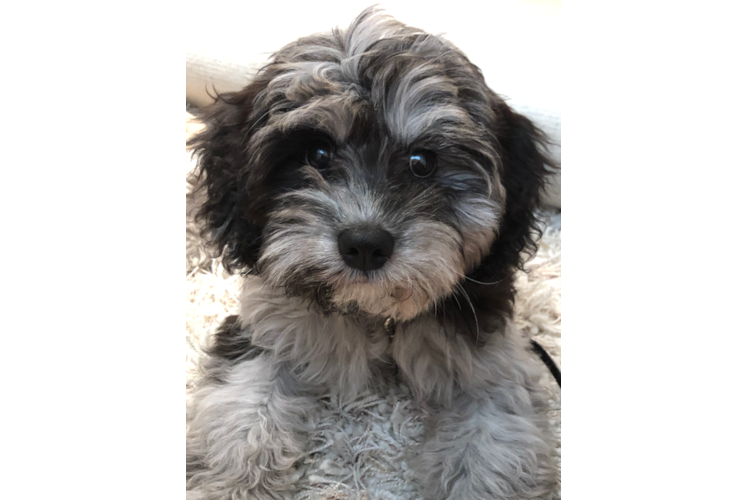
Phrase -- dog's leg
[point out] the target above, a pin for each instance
(479, 450)
(245, 432)
(488, 434)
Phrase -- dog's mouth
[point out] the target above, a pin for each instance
(365, 278)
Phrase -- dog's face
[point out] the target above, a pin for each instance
(370, 170)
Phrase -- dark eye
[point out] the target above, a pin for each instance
(422, 163)
(319, 156)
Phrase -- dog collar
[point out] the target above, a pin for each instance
(389, 328)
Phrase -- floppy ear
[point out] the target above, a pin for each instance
(223, 168)
(526, 169)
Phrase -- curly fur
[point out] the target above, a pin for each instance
(309, 325)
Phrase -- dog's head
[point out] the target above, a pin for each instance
(372, 170)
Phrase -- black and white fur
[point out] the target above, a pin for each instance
(371, 98)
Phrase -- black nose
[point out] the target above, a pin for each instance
(365, 248)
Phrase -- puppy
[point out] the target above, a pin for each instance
(378, 197)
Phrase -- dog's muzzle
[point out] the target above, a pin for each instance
(365, 248)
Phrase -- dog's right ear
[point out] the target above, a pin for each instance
(223, 169)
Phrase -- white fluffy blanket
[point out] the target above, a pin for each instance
(359, 448)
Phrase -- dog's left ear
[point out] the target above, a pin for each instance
(525, 170)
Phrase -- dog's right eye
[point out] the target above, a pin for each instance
(319, 157)
(422, 164)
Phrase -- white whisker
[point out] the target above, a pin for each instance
(477, 326)
(482, 283)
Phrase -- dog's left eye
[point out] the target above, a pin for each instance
(422, 164)
(319, 157)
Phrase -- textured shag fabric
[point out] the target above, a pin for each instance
(359, 448)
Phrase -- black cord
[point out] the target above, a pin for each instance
(546, 358)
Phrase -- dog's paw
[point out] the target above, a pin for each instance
(257, 464)
(485, 458)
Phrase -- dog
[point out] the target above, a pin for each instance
(378, 198)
